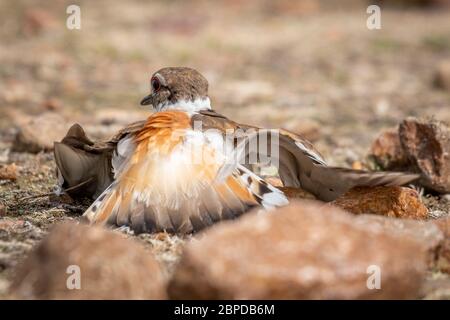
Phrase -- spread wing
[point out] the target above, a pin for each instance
(85, 167)
(299, 164)
(167, 181)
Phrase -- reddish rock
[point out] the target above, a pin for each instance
(399, 202)
(290, 192)
(358, 165)
(418, 146)
(276, 182)
(413, 3)
(387, 150)
(427, 145)
(37, 133)
(8, 172)
(443, 253)
(110, 267)
(296, 193)
(303, 251)
(3, 210)
(423, 232)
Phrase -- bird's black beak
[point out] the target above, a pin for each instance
(147, 100)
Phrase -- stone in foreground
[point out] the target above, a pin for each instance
(399, 202)
(303, 251)
(443, 254)
(110, 267)
(428, 233)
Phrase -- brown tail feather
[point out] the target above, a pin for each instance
(328, 183)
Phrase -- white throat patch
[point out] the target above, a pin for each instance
(188, 106)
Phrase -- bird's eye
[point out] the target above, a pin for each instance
(156, 85)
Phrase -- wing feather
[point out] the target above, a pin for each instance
(159, 188)
(301, 166)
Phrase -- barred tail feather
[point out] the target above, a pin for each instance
(266, 195)
(104, 207)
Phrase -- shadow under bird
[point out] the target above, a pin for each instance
(144, 177)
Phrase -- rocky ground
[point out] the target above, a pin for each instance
(315, 70)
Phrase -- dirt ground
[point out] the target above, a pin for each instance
(302, 66)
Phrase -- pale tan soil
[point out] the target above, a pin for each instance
(318, 71)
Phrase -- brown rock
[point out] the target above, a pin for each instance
(413, 3)
(387, 150)
(443, 253)
(442, 75)
(434, 235)
(111, 267)
(296, 193)
(418, 146)
(37, 133)
(427, 145)
(424, 232)
(3, 210)
(276, 182)
(358, 165)
(399, 202)
(8, 172)
(303, 251)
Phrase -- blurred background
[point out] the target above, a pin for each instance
(309, 66)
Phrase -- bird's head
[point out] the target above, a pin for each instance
(178, 88)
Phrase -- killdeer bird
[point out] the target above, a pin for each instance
(145, 176)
